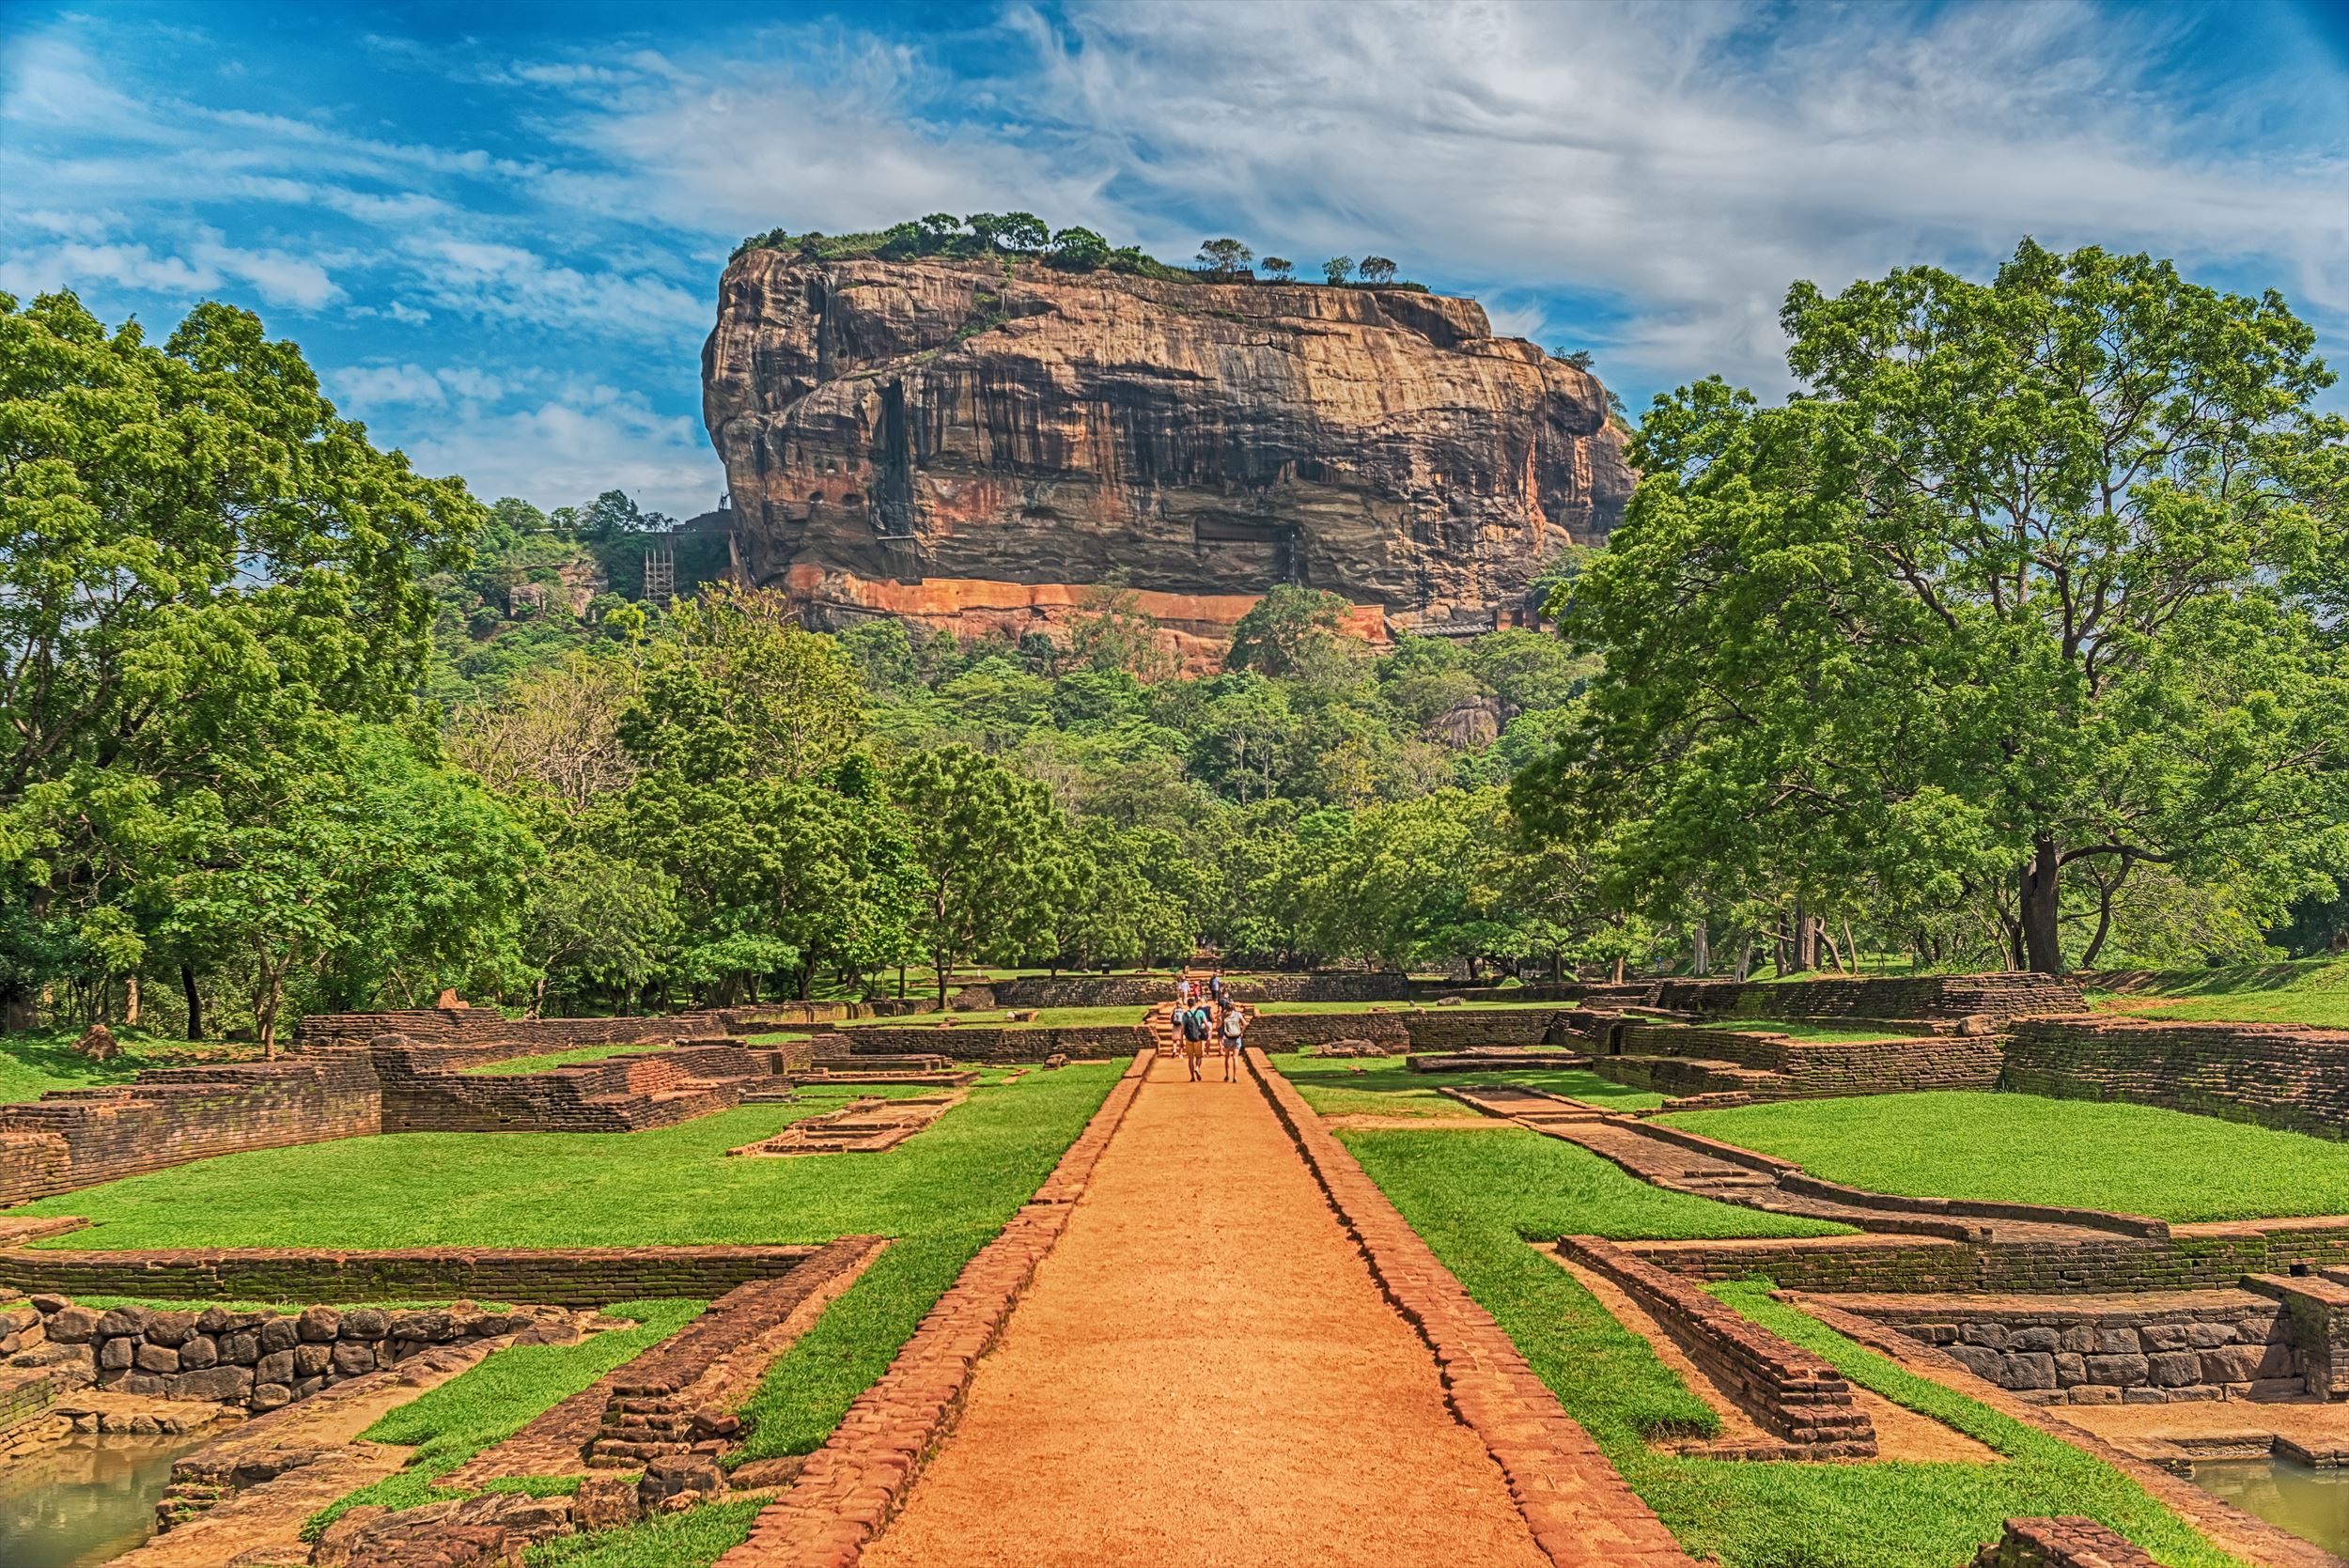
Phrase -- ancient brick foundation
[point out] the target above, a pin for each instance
(487, 1026)
(79, 1137)
(1428, 1029)
(1789, 1392)
(623, 1094)
(2164, 1348)
(1925, 996)
(2275, 1074)
(562, 1277)
(1119, 990)
(2064, 1543)
(2191, 1257)
(988, 1042)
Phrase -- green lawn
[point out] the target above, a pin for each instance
(513, 1066)
(1825, 1033)
(1477, 1199)
(1384, 1087)
(491, 1402)
(693, 1539)
(2132, 1158)
(2309, 991)
(943, 1194)
(31, 1064)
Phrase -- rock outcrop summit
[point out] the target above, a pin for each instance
(971, 443)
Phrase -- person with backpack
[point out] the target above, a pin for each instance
(1235, 1023)
(1194, 1022)
(1217, 989)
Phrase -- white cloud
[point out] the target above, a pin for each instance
(485, 278)
(564, 452)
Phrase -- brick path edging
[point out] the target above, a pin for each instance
(1583, 1514)
(855, 1483)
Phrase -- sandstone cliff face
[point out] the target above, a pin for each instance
(971, 444)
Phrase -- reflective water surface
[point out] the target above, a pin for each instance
(2312, 1504)
(84, 1501)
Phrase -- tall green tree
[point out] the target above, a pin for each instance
(984, 844)
(2004, 595)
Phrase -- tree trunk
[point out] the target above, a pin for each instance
(1745, 959)
(901, 981)
(2042, 905)
(195, 1001)
(1619, 972)
(130, 1000)
(939, 959)
(1806, 941)
(1700, 952)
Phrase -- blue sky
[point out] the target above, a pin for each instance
(496, 228)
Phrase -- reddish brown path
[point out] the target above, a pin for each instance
(1202, 1373)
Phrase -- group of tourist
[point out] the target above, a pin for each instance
(1206, 1013)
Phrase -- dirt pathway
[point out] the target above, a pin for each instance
(1203, 1373)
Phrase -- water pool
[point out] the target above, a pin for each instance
(84, 1501)
(2312, 1504)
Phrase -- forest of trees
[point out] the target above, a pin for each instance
(2016, 639)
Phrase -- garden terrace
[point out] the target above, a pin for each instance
(1029, 1043)
(2283, 1076)
(1757, 1064)
(620, 1094)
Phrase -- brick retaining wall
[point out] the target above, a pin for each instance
(75, 1138)
(1946, 997)
(623, 1094)
(559, 1277)
(1123, 990)
(2168, 1347)
(2193, 1257)
(1789, 1392)
(2280, 1076)
(2069, 1542)
(988, 1042)
(1431, 1030)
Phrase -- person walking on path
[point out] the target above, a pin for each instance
(1234, 1023)
(1217, 989)
(1194, 1039)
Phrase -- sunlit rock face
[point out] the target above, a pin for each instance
(970, 444)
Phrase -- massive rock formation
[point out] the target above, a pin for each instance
(971, 443)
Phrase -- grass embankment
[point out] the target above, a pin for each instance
(1384, 1087)
(942, 1195)
(33, 1063)
(1477, 1199)
(491, 1402)
(2088, 1153)
(2308, 991)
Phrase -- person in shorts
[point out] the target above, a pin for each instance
(1233, 1026)
(1195, 1029)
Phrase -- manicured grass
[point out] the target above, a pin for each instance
(1797, 1029)
(31, 1064)
(1385, 1087)
(2132, 1158)
(491, 1402)
(1477, 1199)
(513, 1066)
(942, 1194)
(2310, 992)
(693, 1539)
(972, 1170)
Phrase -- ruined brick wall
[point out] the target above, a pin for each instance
(1668, 1058)
(2170, 1348)
(1997, 997)
(999, 1042)
(560, 1277)
(2069, 1542)
(1428, 1029)
(1790, 1392)
(1123, 991)
(489, 1029)
(2195, 1257)
(169, 1116)
(2276, 1075)
(624, 1094)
